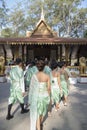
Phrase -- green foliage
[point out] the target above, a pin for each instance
(3, 13)
(85, 34)
(62, 15)
(7, 32)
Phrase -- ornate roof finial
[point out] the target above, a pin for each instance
(42, 12)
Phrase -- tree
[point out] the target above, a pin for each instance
(7, 32)
(62, 15)
(17, 21)
(85, 34)
(3, 14)
(79, 22)
(59, 14)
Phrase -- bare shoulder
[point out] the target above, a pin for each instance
(42, 74)
(47, 76)
(42, 77)
(58, 73)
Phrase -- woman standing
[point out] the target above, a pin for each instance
(39, 96)
(55, 85)
(17, 88)
(64, 82)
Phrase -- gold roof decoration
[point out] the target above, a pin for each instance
(42, 29)
(42, 17)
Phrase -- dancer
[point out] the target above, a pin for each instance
(48, 70)
(39, 97)
(68, 73)
(17, 91)
(64, 82)
(31, 70)
(55, 85)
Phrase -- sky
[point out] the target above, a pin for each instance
(84, 4)
(11, 3)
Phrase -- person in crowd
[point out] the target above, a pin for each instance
(55, 85)
(30, 71)
(39, 96)
(64, 82)
(17, 88)
(66, 69)
(7, 72)
(48, 70)
(68, 72)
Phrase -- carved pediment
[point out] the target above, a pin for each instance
(42, 30)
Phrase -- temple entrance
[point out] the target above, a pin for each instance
(42, 51)
(45, 51)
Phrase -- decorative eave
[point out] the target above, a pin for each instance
(44, 41)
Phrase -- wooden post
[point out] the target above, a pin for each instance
(67, 52)
(57, 52)
(12, 51)
(23, 53)
(16, 51)
(78, 54)
(60, 52)
(27, 46)
(5, 53)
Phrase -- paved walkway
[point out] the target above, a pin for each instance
(72, 117)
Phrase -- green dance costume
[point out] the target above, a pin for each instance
(64, 84)
(29, 73)
(43, 99)
(17, 85)
(38, 99)
(55, 90)
(47, 70)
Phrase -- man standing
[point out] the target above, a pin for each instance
(17, 88)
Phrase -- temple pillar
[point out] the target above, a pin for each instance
(12, 51)
(78, 54)
(66, 52)
(16, 51)
(27, 46)
(5, 53)
(56, 52)
(23, 53)
(60, 52)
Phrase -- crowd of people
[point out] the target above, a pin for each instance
(47, 84)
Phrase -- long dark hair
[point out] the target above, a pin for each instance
(54, 64)
(40, 65)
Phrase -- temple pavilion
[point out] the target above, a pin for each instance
(43, 41)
